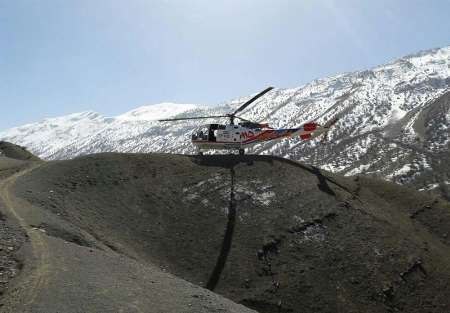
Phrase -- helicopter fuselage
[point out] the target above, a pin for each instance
(231, 137)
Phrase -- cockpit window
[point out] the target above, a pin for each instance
(200, 133)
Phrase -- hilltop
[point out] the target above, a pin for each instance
(268, 233)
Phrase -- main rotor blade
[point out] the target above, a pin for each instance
(191, 118)
(246, 104)
(243, 119)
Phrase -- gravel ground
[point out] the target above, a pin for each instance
(269, 233)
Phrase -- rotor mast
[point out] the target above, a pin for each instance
(246, 104)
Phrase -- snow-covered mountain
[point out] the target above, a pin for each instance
(394, 122)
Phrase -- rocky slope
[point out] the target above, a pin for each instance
(16, 152)
(266, 232)
(393, 123)
(49, 265)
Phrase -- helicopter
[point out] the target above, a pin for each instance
(246, 133)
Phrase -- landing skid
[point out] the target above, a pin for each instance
(199, 151)
(230, 151)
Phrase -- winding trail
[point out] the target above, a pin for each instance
(38, 276)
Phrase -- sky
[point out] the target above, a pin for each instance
(64, 56)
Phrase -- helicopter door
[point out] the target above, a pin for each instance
(212, 132)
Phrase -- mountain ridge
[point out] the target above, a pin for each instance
(393, 121)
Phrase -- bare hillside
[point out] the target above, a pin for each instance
(269, 233)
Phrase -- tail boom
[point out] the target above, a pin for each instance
(305, 132)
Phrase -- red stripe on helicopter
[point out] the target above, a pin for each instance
(213, 142)
(266, 135)
(309, 127)
(305, 136)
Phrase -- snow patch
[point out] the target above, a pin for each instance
(315, 233)
(429, 187)
(361, 169)
(156, 111)
(405, 169)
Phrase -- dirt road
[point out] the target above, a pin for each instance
(36, 277)
(61, 276)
